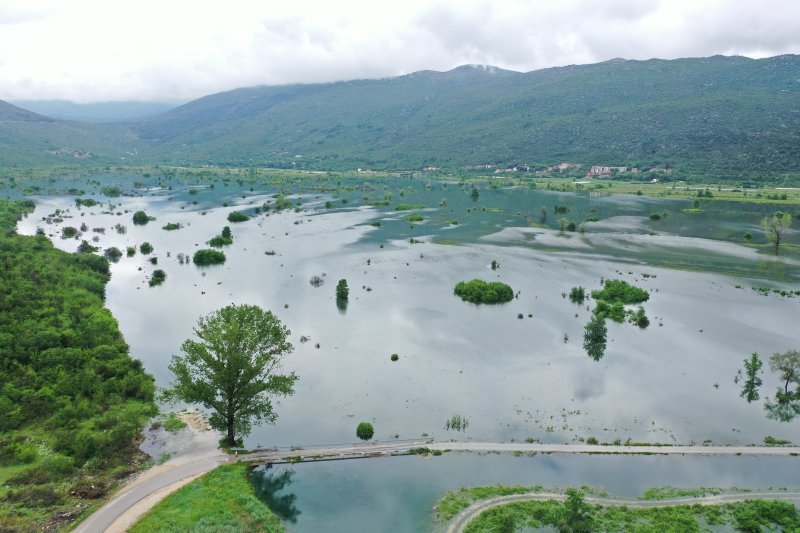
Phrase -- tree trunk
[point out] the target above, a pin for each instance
(231, 435)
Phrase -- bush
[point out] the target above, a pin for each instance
(415, 217)
(617, 290)
(394, 357)
(172, 226)
(68, 232)
(365, 431)
(484, 292)
(577, 295)
(639, 318)
(146, 248)
(113, 254)
(342, 291)
(140, 218)
(237, 216)
(158, 277)
(130, 251)
(208, 257)
(615, 311)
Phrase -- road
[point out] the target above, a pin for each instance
(141, 494)
(459, 522)
(398, 448)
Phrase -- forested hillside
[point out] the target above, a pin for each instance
(720, 115)
(72, 401)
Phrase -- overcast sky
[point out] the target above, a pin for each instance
(95, 50)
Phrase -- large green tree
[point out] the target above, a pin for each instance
(775, 228)
(232, 368)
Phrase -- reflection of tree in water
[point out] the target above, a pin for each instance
(267, 485)
(785, 408)
(341, 304)
(786, 405)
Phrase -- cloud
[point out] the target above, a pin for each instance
(88, 50)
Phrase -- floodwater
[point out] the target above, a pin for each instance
(510, 377)
(398, 494)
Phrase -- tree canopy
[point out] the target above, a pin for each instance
(775, 228)
(232, 368)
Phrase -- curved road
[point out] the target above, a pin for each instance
(459, 522)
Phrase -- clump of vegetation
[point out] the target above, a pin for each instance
(365, 431)
(237, 216)
(140, 218)
(316, 281)
(495, 265)
(207, 257)
(173, 424)
(158, 277)
(113, 254)
(72, 401)
(617, 290)
(69, 232)
(615, 311)
(484, 292)
(456, 423)
(577, 295)
(146, 248)
(414, 217)
(223, 239)
(776, 227)
(130, 251)
(172, 226)
(769, 440)
(408, 207)
(86, 202)
(395, 357)
(342, 291)
(638, 318)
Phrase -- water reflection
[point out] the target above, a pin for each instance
(267, 485)
(785, 408)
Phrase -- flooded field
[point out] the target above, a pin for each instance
(513, 371)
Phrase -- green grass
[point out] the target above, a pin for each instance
(665, 493)
(173, 424)
(222, 500)
(456, 501)
(752, 515)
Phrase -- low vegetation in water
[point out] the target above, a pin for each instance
(365, 431)
(222, 500)
(237, 216)
(207, 257)
(456, 423)
(617, 290)
(171, 226)
(577, 295)
(140, 218)
(478, 291)
(158, 277)
(225, 238)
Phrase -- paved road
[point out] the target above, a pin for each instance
(360, 450)
(459, 522)
(153, 485)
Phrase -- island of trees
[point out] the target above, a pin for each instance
(478, 291)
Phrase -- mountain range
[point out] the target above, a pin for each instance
(717, 115)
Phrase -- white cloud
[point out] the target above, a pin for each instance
(89, 50)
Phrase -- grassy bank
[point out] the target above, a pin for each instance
(72, 401)
(752, 515)
(222, 500)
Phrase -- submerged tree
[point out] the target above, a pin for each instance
(788, 365)
(752, 382)
(232, 368)
(775, 227)
(342, 291)
(594, 337)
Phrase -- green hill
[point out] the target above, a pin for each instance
(720, 115)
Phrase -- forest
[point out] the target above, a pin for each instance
(72, 400)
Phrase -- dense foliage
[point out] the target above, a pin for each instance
(231, 369)
(208, 257)
(342, 291)
(365, 431)
(237, 216)
(617, 290)
(595, 337)
(478, 291)
(72, 400)
(140, 218)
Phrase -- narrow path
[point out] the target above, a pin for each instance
(459, 522)
(399, 448)
(150, 487)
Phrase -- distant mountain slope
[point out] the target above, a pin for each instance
(31, 139)
(721, 115)
(95, 112)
